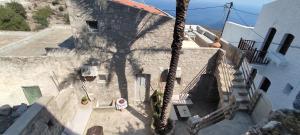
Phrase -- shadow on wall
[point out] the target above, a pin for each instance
(119, 35)
(205, 94)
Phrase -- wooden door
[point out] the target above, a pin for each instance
(142, 88)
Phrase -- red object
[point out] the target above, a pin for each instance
(140, 6)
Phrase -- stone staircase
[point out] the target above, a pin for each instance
(236, 89)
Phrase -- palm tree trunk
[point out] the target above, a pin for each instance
(178, 35)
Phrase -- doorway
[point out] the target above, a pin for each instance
(142, 87)
(32, 93)
(268, 40)
(265, 84)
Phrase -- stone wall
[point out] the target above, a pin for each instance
(121, 77)
(233, 54)
(120, 28)
(17, 72)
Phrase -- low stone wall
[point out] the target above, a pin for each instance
(233, 53)
(45, 72)
(47, 116)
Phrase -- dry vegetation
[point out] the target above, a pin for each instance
(35, 15)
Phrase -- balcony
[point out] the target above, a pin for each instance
(253, 55)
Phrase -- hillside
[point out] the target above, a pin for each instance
(43, 13)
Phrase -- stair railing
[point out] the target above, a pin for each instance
(184, 94)
(212, 118)
(248, 80)
(253, 54)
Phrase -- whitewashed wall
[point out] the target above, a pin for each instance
(233, 32)
(284, 15)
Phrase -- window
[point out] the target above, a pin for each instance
(163, 75)
(268, 40)
(102, 78)
(92, 25)
(288, 89)
(285, 43)
(265, 84)
(32, 93)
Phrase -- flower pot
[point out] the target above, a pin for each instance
(84, 102)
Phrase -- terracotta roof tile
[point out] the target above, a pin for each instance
(140, 6)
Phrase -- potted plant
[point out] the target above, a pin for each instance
(156, 103)
(84, 100)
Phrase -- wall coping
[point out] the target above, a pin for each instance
(21, 123)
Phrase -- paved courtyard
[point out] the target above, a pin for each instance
(133, 120)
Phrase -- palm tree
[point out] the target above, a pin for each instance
(178, 35)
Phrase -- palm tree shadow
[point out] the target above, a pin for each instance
(116, 46)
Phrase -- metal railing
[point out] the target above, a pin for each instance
(212, 118)
(253, 54)
(85, 90)
(247, 72)
(184, 94)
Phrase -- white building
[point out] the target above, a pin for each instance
(277, 31)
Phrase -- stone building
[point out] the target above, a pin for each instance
(128, 43)
(132, 42)
(123, 49)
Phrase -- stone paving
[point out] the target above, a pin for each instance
(134, 120)
(35, 44)
(7, 37)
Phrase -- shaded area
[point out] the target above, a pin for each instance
(205, 95)
(36, 120)
(8, 115)
(240, 123)
(68, 43)
(121, 26)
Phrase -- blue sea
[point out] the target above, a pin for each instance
(210, 17)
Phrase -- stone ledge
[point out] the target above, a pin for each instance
(21, 123)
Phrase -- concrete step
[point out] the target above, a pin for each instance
(237, 73)
(243, 107)
(177, 101)
(238, 78)
(228, 77)
(242, 99)
(238, 84)
(182, 102)
(240, 91)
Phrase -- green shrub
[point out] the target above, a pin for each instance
(66, 19)
(156, 99)
(17, 7)
(10, 20)
(41, 17)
